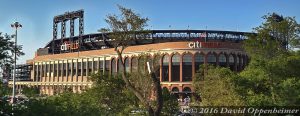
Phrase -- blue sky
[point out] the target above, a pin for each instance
(36, 15)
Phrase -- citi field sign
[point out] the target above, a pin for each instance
(198, 44)
(69, 46)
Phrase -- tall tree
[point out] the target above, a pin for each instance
(276, 35)
(273, 68)
(123, 30)
(7, 49)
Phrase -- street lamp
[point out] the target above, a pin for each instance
(15, 25)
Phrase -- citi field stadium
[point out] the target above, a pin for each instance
(67, 61)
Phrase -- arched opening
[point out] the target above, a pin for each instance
(134, 64)
(150, 60)
(238, 63)
(199, 60)
(222, 60)
(187, 67)
(231, 62)
(176, 67)
(242, 62)
(165, 88)
(127, 68)
(211, 59)
(113, 66)
(156, 65)
(165, 68)
(120, 66)
(141, 64)
(175, 91)
(186, 92)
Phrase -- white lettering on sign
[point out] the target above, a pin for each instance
(196, 44)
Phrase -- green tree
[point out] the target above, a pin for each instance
(275, 36)
(124, 29)
(272, 76)
(273, 82)
(216, 87)
(30, 91)
(7, 49)
(171, 105)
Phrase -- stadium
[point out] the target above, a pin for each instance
(67, 61)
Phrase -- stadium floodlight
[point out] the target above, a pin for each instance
(15, 25)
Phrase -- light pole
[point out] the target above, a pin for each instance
(15, 25)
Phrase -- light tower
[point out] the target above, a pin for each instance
(15, 25)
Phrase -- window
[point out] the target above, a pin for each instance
(231, 62)
(84, 63)
(113, 66)
(127, 68)
(69, 68)
(59, 69)
(36, 71)
(242, 60)
(199, 60)
(134, 64)
(51, 70)
(187, 92)
(95, 67)
(64, 69)
(238, 63)
(165, 68)
(175, 91)
(187, 67)
(150, 60)
(100, 66)
(156, 65)
(176, 67)
(211, 59)
(120, 65)
(107, 65)
(90, 67)
(74, 68)
(222, 60)
(79, 68)
(141, 64)
(47, 69)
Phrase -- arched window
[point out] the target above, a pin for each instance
(141, 64)
(238, 62)
(175, 91)
(165, 68)
(176, 67)
(222, 60)
(113, 66)
(150, 60)
(165, 88)
(211, 59)
(134, 64)
(187, 67)
(127, 68)
(242, 61)
(231, 62)
(120, 66)
(186, 92)
(199, 60)
(156, 65)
